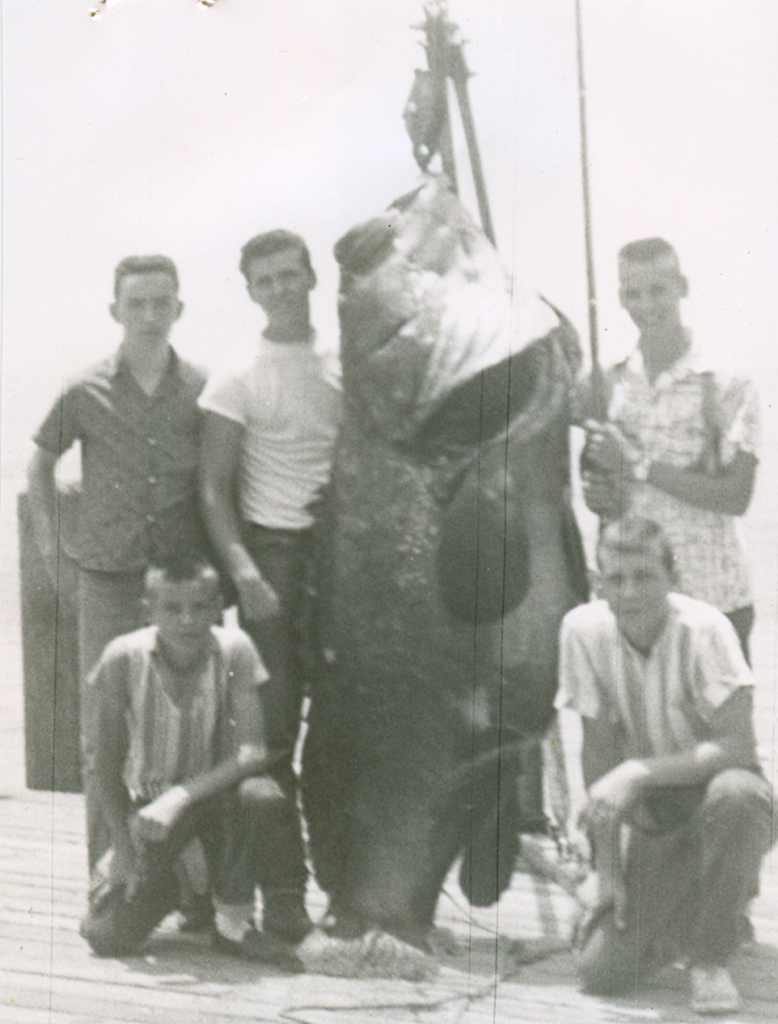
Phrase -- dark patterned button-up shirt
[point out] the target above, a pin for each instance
(138, 463)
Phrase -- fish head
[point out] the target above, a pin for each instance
(425, 306)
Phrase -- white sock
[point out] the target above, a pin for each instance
(232, 921)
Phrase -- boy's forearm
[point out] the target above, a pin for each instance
(42, 497)
(699, 765)
(250, 760)
(223, 526)
(568, 735)
(114, 801)
(725, 494)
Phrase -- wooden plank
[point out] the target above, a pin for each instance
(179, 978)
(15, 1014)
(129, 1003)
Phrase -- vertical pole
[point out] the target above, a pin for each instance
(597, 377)
(436, 61)
(460, 84)
(447, 144)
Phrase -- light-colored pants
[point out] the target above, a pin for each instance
(109, 604)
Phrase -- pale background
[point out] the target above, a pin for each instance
(166, 126)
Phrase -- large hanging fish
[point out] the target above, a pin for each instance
(449, 556)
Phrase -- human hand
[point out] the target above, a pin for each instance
(122, 867)
(62, 574)
(613, 794)
(602, 890)
(256, 597)
(601, 493)
(154, 821)
(606, 447)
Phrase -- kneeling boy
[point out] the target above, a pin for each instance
(178, 740)
(669, 763)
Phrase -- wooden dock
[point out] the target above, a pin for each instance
(506, 964)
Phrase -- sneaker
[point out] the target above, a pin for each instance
(713, 990)
(259, 947)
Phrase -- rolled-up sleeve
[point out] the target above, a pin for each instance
(720, 668)
(578, 688)
(60, 430)
(226, 395)
(740, 414)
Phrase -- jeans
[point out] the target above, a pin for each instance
(245, 835)
(287, 645)
(687, 883)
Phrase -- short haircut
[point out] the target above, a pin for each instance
(635, 534)
(648, 250)
(143, 265)
(270, 242)
(179, 568)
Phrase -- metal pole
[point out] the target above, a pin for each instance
(459, 78)
(597, 376)
(437, 44)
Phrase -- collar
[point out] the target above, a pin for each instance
(309, 340)
(156, 651)
(692, 362)
(116, 365)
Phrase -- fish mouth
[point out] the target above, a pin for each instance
(425, 308)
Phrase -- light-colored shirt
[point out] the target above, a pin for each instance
(163, 742)
(667, 422)
(290, 414)
(661, 702)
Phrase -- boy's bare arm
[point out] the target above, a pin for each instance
(42, 496)
(729, 492)
(219, 462)
(731, 745)
(249, 758)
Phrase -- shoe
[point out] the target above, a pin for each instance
(259, 947)
(713, 990)
(284, 916)
(196, 915)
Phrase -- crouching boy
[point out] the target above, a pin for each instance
(677, 811)
(179, 754)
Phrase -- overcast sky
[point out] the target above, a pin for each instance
(166, 126)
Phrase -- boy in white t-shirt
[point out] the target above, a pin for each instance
(267, 446)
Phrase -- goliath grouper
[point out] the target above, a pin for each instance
(449, 556)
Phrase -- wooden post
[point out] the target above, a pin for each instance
(52, 726)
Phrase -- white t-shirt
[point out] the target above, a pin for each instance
(290, 413)
(661, 702)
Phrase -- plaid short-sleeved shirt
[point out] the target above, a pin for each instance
(138, 459)
(667, 422)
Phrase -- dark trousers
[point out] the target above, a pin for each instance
(687, 884)
(246, 834)
(287, 644)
